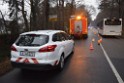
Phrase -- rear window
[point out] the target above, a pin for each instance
(32, 40)
(113, 22)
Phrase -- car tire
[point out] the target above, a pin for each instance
(61, 63)
(85, 36)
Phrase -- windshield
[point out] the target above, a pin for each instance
(32, 40)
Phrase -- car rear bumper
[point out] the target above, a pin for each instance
(33, 66)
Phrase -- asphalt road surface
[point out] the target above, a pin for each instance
(84, 66)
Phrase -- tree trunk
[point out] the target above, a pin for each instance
(32, 16)
(58, 14)
(4, 22)
(63, 11)
(24, 16)
(16, 14)
(46, 13)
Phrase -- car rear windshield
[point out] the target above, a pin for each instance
(32, 40)
(113, 22)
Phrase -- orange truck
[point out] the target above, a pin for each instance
(78, 27)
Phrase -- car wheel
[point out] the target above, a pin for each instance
(85, 36)
(61, 63)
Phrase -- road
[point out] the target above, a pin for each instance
(84, 66)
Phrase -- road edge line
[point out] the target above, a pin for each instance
(112, 66)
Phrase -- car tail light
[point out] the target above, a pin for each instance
(13, 48)
(49, 48)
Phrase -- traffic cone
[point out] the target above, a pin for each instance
(93, 40)
(95, 33)
(100, 40)
(91, 46)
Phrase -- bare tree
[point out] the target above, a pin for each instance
(4, 23)
(62, 10)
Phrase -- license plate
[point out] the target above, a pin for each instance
(29, 54)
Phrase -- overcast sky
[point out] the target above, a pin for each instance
(4, 9)
(94, 3)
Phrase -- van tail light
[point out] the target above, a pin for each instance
(13, 48)
(49, 48)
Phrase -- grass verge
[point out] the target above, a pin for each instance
(5, 66)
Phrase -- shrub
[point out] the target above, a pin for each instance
(5, 43)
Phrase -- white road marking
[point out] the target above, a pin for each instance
(112, 66)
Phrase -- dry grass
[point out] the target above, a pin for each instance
(5, 66)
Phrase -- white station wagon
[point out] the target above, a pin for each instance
(43, 49)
